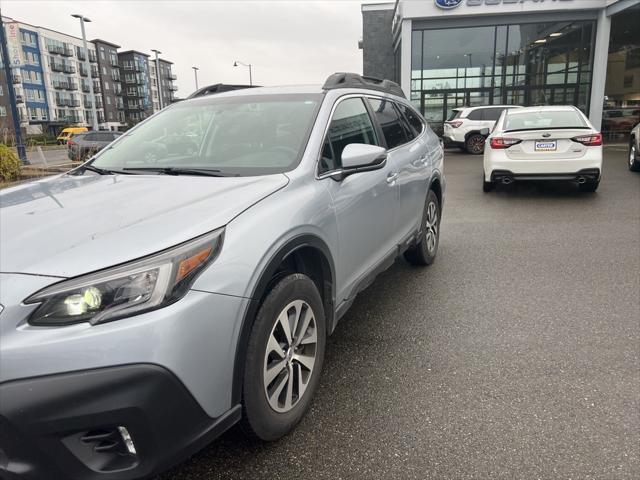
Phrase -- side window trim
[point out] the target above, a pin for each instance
(382, 141)
(402, 117)
(321, 175)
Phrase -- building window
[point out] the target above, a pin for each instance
(3, 111)
(528, 64)
(1, 91)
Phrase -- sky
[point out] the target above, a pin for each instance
(286, 41)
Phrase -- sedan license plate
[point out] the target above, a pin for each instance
(546, 146)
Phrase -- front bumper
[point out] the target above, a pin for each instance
(66, 426)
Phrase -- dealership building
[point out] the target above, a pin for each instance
(452, 53)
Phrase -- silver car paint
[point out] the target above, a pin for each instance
(361, 220)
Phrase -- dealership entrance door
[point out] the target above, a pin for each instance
(436, 105)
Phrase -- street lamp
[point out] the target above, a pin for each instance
(94, 112)
(158, 52)
(195, 72)
(238, 63)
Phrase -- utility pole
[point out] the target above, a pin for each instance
(22, 152)
(157, 52)
(195, 72)
(94, 111)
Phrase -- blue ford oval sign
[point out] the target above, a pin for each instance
(448, 3)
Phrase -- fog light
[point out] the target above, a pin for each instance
(128, 441)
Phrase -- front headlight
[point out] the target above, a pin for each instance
(135, 287)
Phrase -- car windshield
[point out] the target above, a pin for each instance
(239, 135)
(543, 119)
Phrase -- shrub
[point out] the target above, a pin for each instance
(9, 164)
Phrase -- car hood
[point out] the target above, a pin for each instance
(69, 225)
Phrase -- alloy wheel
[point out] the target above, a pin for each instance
(290, 356)
(431, 227)
(476, 144)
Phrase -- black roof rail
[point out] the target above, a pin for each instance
(218, 88)
(354, 80)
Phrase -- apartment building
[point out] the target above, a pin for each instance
(110, 84)
(136, 85)
(162, 86)
(51, 78)
(6, 116)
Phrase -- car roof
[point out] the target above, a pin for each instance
(291, 89)
(459, 109)
(544, 108)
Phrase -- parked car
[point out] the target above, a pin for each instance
(85, 145)
(543, 143)
(68, 133)
(464, 126)
(618, 122)
(152, 302)
(634, 149)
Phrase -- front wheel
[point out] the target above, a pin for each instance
(284, 358)
(475, 144)
(424, 251)
(634, 157)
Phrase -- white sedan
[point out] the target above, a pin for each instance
(543, 143)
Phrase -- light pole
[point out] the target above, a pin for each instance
(237, 63)
(94, 112)
(158, 52)
(195, 72)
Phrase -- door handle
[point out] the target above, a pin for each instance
(420, 162)
(392, 177)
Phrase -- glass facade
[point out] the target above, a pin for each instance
(522, 64)
(622, 91)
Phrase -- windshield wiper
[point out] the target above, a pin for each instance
(101, 171)
(205, 172)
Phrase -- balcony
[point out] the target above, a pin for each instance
(96, 87)
(16, 79)
(85, 87)
(57, 66)
(173, 88)
(80, 53)
(134, 106)
(171, 76)
(67, 102)
(113, 61)
(59, 49)
(69, 68)
(88, 104)
(68, 85)
(67, 51)
(95, 73)
(19, 99)
(93, 58)
(133, 67)
(118, 89)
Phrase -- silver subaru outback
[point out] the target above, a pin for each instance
(186, 278)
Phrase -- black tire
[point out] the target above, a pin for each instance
(634, 157)
(259, 419)
(421, 253)
(589, 186)
(474, 144)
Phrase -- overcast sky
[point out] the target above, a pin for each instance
(288, 42)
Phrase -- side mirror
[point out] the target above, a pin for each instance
(485, 132)
(359, 157)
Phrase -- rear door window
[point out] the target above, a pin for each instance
(389, 119)
(454, 114)
(493, 114)
(476, 114)
(350, 124)
(413, 119)
(90, 137)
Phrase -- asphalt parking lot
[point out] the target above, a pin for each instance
(515, 356)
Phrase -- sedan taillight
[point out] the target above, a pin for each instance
(592, 140)
(500, 143)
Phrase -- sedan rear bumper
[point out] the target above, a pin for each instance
(507, 176)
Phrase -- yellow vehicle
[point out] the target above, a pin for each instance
(68, 133)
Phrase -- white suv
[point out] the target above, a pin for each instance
(463, 127)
